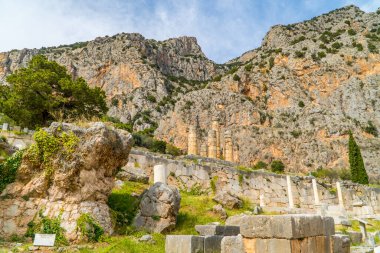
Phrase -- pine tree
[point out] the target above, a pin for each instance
(358, 172)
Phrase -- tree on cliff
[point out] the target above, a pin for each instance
(358, 172)
(44, 92)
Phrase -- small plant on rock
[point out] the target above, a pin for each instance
(89, 228)
(277, 166)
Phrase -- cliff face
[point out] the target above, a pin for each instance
(294, 98)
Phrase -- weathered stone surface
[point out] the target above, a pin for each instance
(212, 243)
(80, 182)
(278, 226)
(355, 237)
(228, 200)
(328, 225)
(232, 244)
(218, 209)
(184, 244)
(158, 208)
(217, 230)
(128, 173)
(340, 244)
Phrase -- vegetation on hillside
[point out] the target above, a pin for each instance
(44, 92)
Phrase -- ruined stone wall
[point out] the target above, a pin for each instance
(192, 172)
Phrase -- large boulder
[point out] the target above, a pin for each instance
(69, 171)
(158, 208)
(228, 200)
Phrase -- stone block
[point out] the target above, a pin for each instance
(340, 244)
(212, 243)
(328, 226)
(355, 237)
(232, 244)
(184, 244)
(316, 244)
(258, 245)
(279, 226)
(217, 230)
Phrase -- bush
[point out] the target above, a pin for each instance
(236, 78)
(46, 225)
(151, 98)
(296, 133)
(371, 129)
(89, 228)
(299, 54)
(172, 150)
(351, 32)
(301, 104)
(372, 48)
(217, 78)
(260, 165)
(271, 62)
(277, 166)
(248, 67)
(8, 169)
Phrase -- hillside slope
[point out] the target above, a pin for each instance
(294, 98)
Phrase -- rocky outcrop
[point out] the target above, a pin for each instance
(158, 209)
(68, 172)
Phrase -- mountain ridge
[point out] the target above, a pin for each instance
(294, 98)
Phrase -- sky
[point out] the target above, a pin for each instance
(225, 29)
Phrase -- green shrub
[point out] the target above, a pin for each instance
(260, 165)
(372, 48)
(301, 104)
(248, 67)
(172, 150)
(232, 70)
(351, 32)
(213, 182)
(297, 40)
(151, 98)
(236, 78)
(277, 166)
(89, 228)
(337, 45)
(8, 169)
(299, 54)
(296, 133)
(271, 62)
(115, 101)
(371, 129)
(217, 78)
(46, 225)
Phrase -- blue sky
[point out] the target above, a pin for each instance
(224, 28)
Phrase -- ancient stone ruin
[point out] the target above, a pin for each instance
(212, 146)
(263, 234)
(73, 175)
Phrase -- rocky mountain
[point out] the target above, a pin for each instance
(294, 98)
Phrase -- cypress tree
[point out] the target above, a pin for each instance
(358, 172)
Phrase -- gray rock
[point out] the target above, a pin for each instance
(257, 210)
(232, 244)
(212, 243)
(217, 230)
(278, 226)
(218, 209)
(355, 237)
(147, 238)
(158, 209)
(228, 200)
(184, 244)
(340, 244)
(133, 174)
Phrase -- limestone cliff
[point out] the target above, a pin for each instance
(294, 98)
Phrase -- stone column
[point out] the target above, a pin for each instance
(5, 126)
(340, 196)
(216, 127)
(262, 202)
(203, 150)
(160, 173)
(192, 146)
(315, 190)
(229, 154)
(290, 193)
(211, 144)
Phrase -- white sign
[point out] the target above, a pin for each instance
(44, 240)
